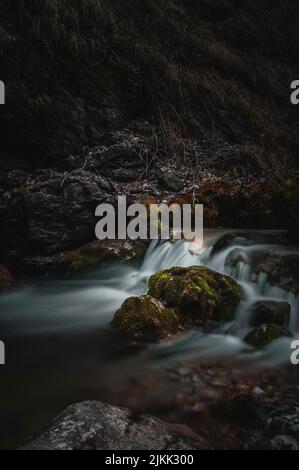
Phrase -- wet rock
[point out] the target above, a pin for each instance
(282, 269)
(227, 240)
(99, 426)
(74, 262)
(270, 312)
(264, 334)
(198, 294)
(6, 280)
(145, 318)
(94, 253)
(247, 239)
(235, 257)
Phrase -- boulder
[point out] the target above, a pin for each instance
(99, 426)
(145, 318)
(94, 253)
(235, 257)
(169, 181)
(51, 212)
(247, 239)
(270, 312)
(282, 269)
(264, 334)
(198, 294)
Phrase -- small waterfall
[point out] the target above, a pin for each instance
(90, 303)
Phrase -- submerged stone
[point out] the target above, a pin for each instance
(145, 318)
(198, 294)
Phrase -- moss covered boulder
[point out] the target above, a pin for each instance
(198, 294)
(265, 334)
(145, 318)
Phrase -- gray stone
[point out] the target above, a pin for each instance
(99, 426)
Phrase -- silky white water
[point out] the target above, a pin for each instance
(72, 306)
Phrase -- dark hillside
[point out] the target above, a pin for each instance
(208, 69)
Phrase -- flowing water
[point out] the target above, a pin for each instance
(59, 347)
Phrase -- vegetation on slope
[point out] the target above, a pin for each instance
(207, 70)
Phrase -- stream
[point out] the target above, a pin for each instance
(60, 350)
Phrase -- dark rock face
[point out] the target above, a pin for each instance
(282, 269)
(49, 212)
(270, 312)
(99, 426)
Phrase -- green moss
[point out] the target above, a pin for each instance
(76, 262)
(96, 252)
(264, 335)
(145, 318)
(198, 294)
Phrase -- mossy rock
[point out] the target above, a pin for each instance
(94, 253)
(198, 294)
(145, 318)
(270, 312)
(265, 334)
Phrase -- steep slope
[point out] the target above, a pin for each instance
(218, 71)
